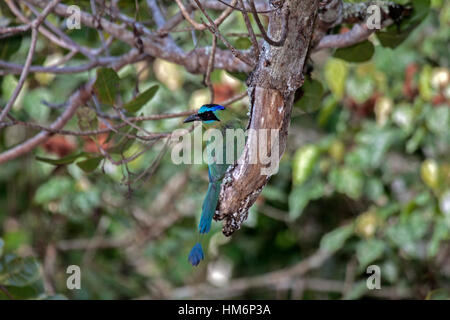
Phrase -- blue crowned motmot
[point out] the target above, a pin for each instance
(217, 117)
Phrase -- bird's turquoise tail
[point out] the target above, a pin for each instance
(209, 206)
(196, 255)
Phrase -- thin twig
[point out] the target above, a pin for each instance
(26, 69)
(268, 279)
(173, 22)
(284, 31)
(195, 61)
(213, 28)
(23, 76)
(358, 33)
(200, 26)
(114, 62)
(99, 31)
(157, 14)
(241, 34)
(250, 29)
(210, 67)
(77, 99)
(6, 292)
(49, 268)
(242, 10)
(9, 31)
(60, 41)
(152, 168)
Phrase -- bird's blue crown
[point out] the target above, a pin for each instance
(210, 107)
(208, 113)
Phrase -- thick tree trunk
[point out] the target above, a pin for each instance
(272, 86)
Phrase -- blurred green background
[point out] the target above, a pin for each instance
(365, 178)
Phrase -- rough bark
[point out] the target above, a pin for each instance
(272, 86)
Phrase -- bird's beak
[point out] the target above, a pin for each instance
(192, 117)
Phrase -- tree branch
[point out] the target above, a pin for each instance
(248, 25)
(34, 33)
(76, 100)
(214, 29)
(242, 284)
(271, 90)
(357, 34)
(195, 61)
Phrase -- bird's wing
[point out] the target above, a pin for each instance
(231, 150)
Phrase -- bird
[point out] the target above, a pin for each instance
(218, 117)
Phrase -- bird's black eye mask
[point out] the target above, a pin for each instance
(208, 116)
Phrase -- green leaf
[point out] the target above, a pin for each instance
(374, 189)
(349, 181)
(438, 120)
(239, 75)
(2, 244)
(406, 234)
(336, 239)
(136, 104)
(66, 160)
(375, 142)
(33, 105)
(53, 189)
(368, 251)
(421, 9)
(273, 193)
(87, 119)
(438, 294)
(9, 84)
(414, 143)
(359, 52)
(357, 290)
(242, 43)
(89, 165)
(301, 195)
(123, 143)
(395, 35)
(425, 88)
(106, 85)
(360, 88)
(303, 163)
(19, 272)
(312, 96)
(390, 271)
(9, 46)
(392, 38)
(14, 239)
(336, 72)
(429, 171)
(440, 233)
(329, 107)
